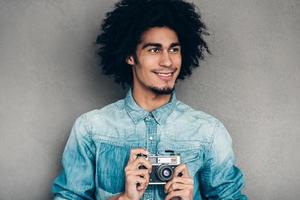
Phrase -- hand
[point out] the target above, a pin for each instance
(137, 179)
(181, 186)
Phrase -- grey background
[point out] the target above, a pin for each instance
(49, 76)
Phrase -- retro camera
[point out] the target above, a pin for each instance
(163, 167)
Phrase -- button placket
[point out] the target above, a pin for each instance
(151, 131)
(151, 127)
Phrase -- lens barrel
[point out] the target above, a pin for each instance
(165, 172)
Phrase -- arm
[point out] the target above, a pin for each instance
(137, 178)
(220, 178)
(76, 180)
(181, 186)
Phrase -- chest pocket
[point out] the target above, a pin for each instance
(192, 159)
(110, 164)
(190, 155)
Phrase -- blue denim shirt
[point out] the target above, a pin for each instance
(99, 145)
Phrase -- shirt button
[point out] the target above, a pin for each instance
(150, 138)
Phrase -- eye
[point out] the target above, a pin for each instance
(174, 49)
(154, 50)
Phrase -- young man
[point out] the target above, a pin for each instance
(148, 45)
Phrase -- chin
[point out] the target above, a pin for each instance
(162, 91)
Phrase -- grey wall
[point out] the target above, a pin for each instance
(49, 76)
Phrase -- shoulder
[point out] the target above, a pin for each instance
(199, 123)
(106, 111)
(183, 110)
(103, 115)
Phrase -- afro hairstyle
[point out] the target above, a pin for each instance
(123, 27)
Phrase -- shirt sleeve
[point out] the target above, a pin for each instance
(219, 177)
(76, 179)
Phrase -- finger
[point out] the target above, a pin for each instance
(134, 180)
(176, 186)
(142, 173)
(142, 163)
(181, 180)
(141, 183)
(133, 177)
(139, 162)
(135, 152)
(181, 194)
(183, 170)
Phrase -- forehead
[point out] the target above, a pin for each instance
(161, 35)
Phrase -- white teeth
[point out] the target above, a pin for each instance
(163, 74)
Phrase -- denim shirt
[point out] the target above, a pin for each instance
(99, 145)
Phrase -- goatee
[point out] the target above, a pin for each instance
(162, 91)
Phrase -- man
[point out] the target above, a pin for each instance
(148, 45)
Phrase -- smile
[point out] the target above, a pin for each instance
(165, 76)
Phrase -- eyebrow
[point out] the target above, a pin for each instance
(159, 45)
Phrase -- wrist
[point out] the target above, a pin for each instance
(123, 197)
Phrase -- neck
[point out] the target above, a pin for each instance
(148, 100)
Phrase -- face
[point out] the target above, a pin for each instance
(157, 62)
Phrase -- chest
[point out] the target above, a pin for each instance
(112, 157)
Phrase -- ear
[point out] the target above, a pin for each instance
(130, 60)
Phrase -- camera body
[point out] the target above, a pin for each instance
(163, 167)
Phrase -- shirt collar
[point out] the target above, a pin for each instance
(137, 113)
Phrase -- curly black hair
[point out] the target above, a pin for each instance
(123, 27)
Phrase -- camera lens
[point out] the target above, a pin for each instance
(165, 172)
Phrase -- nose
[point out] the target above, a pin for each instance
(165, 59)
